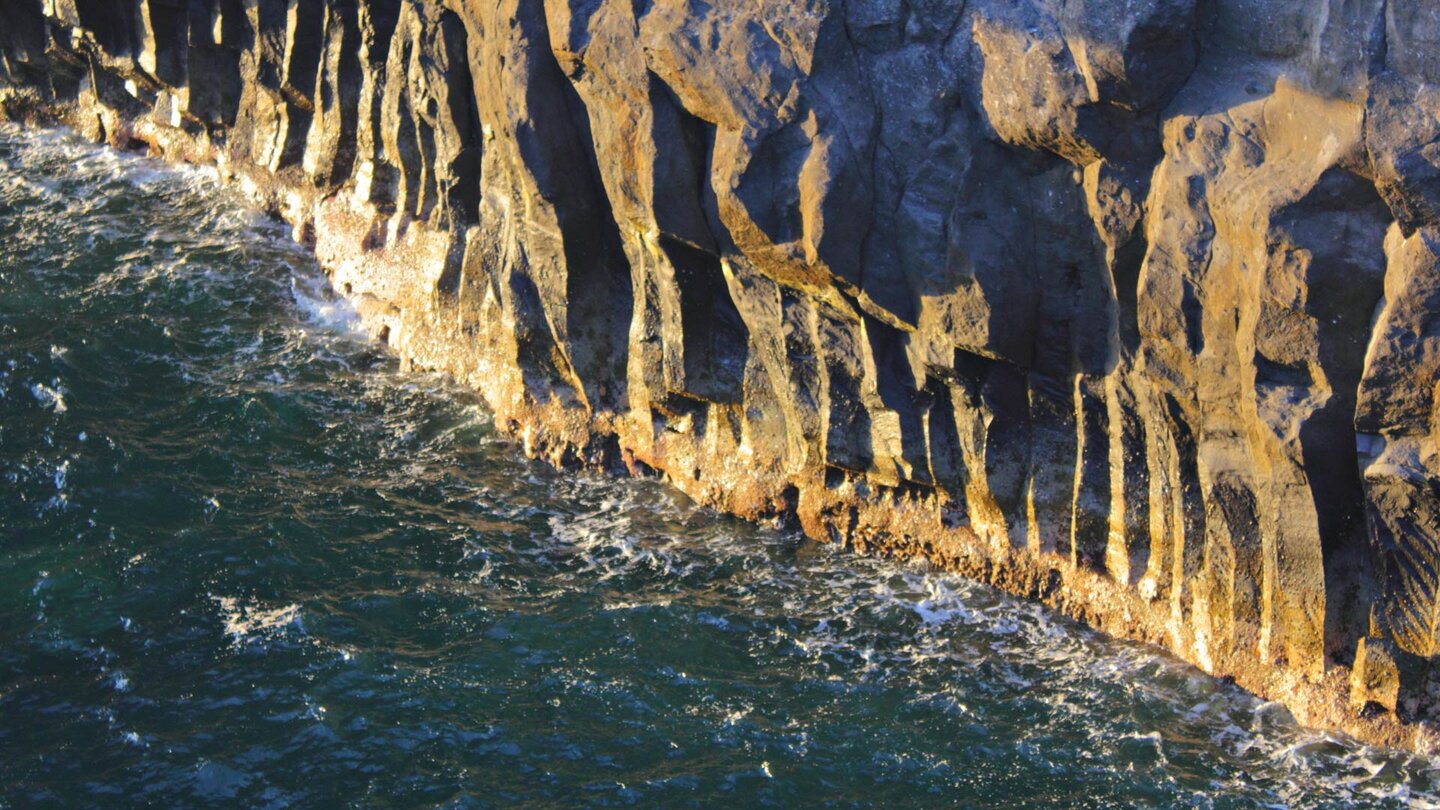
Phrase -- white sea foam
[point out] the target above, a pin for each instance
(319, 305)
(51, 396)
(244, 623)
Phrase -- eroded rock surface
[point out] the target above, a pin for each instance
(1132, 307)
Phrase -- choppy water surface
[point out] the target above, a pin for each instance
(244, 558)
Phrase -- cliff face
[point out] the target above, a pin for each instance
(1132, 307)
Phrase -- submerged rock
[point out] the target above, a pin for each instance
(1131, 307)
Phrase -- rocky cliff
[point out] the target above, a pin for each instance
(1133, 307)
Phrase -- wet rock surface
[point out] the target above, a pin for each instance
(1133, 308)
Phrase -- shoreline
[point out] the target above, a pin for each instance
(422, 292)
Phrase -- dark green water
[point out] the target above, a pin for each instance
(244, 559)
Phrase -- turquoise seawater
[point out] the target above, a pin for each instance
(247, 560)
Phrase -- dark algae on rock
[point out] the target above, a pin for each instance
(1133, 308)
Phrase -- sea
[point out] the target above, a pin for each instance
(246, 559)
